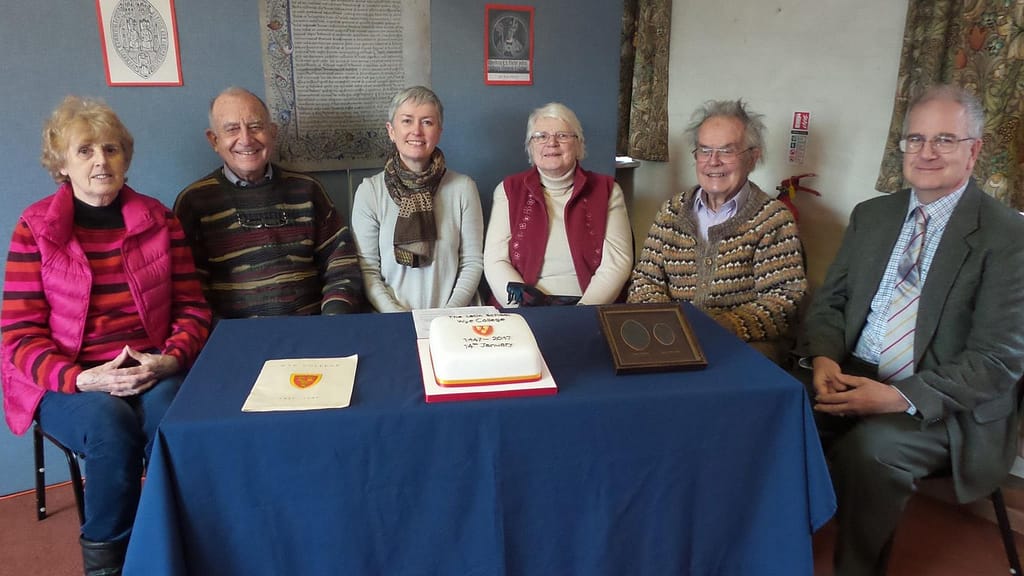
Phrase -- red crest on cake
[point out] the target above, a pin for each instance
(480, 351)
(483, 329)
(305, 380)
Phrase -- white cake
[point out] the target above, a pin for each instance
(483, 349)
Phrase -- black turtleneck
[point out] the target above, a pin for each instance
(99, 217)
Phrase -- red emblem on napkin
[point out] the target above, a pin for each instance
(305, 380)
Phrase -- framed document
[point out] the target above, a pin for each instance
(650, 338)
(508, 44)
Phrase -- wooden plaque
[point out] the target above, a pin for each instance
(650, 338)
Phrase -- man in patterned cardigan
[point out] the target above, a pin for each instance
(266, 241)
(725, 246)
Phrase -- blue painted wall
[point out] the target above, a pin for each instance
(53, 48)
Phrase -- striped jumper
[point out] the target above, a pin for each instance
(274, 248)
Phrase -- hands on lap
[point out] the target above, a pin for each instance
(131, 372)
(841, 394)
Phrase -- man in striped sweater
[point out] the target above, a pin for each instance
(725, 246)
(266, 241)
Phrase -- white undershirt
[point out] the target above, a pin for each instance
(557, 273)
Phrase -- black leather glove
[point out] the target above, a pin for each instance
(525, 295)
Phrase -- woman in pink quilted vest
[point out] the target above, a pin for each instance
(102, 314)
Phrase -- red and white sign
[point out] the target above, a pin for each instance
(798, 137)
(801, 120)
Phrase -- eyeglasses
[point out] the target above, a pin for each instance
(256, 221)
(545, 137)
(942, 144)
(725, 155)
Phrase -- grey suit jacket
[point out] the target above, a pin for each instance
(969, 343)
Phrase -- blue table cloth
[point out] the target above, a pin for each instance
(717, 471)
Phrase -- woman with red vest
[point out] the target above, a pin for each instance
(558, 234)
(102, 314)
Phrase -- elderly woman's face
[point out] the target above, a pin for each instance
(415, 130)
(96, 167)
(553, 156)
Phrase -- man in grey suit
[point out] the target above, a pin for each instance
(950, 403)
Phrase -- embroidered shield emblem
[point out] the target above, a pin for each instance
(305, 380)
(483, 329)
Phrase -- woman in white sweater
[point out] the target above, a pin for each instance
(418, 226)
(558, 234)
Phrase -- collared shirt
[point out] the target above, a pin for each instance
(869, 345)
(234, 179)
(706, 217)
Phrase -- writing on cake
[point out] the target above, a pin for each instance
(483, 349)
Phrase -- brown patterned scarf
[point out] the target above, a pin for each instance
(415, 229)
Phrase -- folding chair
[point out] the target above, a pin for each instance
(73, 466)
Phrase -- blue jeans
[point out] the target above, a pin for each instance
(114, 434)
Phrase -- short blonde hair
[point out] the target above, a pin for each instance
(561, 112)
(416, 95)
(76, 115)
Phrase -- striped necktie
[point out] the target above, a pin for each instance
(896, 361)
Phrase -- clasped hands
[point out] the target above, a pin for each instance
(842, 394)
(130, 373)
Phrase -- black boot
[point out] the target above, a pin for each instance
(103, 558)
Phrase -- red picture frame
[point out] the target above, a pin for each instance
(140, 42)
(508, 45)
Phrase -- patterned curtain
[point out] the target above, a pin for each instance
(643, 79)
(977, 44)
